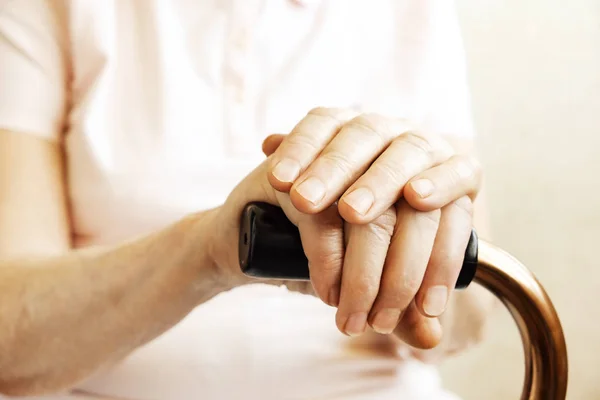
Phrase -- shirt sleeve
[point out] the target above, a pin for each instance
(423, 75)
(33, 73)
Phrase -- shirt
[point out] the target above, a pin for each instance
(161, 106)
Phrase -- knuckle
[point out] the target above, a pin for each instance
(364, 289)
(432, 146)
(419, 142)
(373, 125)
(444, 267)
(328, 254)
(383, 226)
(319, 111)
(396, 294)
(328, 261)
(335, 160)
(453, 176)
(379, 234)
(301, 141)
(337, 115)
(396, 174)
(370, 119)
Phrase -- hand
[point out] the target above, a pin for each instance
(408, 200)
(385, 256)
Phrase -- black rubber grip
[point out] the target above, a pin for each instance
(270, 247)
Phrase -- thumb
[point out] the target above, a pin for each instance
(271, 143)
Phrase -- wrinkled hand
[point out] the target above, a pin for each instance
(406, 199)
(384, 213)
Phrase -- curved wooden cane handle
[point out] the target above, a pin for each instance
(546, 365)
(270, 248)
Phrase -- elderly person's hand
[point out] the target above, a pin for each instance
(384, 212)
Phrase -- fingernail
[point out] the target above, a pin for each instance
(286, 170)
(385, 320)
(356, 324)
(312, 190)
(334, 296)
(423, 187)
(361, 200)
(435, 300)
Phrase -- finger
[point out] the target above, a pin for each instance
(405, 265)
(321, 235)
(271, 143)
(366, 249)
(308, 138)
(446, 258)
(417, 330)
(382, 184)
(441, 185)
(322, 238)
(344, 160)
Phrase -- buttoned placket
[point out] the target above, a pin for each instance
(242, 99)
(238, 109)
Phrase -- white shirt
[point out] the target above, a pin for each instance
(161, 106)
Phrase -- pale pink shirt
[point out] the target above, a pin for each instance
(162, 105)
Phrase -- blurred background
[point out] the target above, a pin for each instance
(535, 79)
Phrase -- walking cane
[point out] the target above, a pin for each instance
(270, 247)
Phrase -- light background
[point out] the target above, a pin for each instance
(535, 79)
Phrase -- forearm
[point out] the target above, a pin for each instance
(63, 318)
